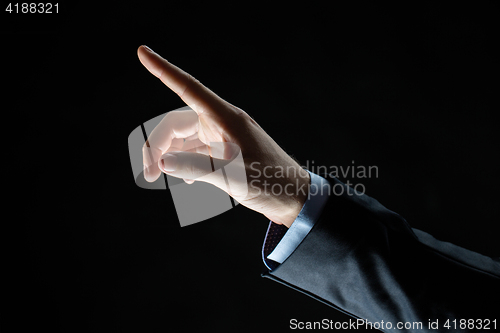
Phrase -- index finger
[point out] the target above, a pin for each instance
(191, 91)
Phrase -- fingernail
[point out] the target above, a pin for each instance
(169, 162)
(147, 48)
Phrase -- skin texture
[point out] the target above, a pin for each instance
(182, 142)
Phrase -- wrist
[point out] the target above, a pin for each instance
(292, 199)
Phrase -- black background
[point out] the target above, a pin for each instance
(412, 90)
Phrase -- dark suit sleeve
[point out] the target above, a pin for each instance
(366, 261)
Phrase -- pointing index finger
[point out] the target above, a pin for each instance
(191, 91)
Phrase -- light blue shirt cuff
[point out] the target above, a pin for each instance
(318, 195)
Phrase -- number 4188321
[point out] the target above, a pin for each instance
(33, 8)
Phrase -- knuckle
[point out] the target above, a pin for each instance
(247, 118)
(191, 82)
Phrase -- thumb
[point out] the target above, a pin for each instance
(194, 166)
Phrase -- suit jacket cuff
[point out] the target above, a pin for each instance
(291, 238)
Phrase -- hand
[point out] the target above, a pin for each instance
(275, 184)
